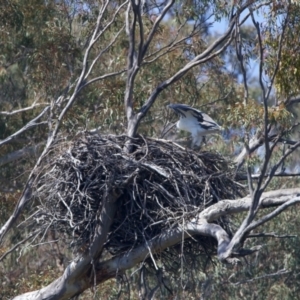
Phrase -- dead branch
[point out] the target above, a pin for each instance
(77, 275)
(240, 57)
(256, 176)
(278, 273)
(13, 112)
(268, 199)
(271, 234)
(113, 40)
(28, 126)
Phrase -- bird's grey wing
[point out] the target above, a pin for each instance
(205, 121)
(200, 118)
(209, 122)
(185, 111)
(197, 115)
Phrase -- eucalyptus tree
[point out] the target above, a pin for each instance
(114, 65)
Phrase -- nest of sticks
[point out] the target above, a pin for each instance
(162, 185)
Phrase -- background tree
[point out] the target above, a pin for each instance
(75, 66)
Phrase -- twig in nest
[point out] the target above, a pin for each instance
(160, 185)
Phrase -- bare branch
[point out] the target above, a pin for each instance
(268, 151)
(268, 199)
(256, 195)
(196, 61)
(131, 67)
(110, 43)
(76, 277)
(270, 234)
(277, 165)
(273, 214)
(68, 285)
(105, 76)
(256, 176)
(258, 140)
(155, 26)
(29, 125)
(240, 57)
(278, 273)
(265, 95)
(138, 8)
(248, 224)
(25, 197)
(19, 244)
(10, 113)
(208, 54)
(171, 46)
(134, 60)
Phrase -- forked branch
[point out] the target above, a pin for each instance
(75, 279)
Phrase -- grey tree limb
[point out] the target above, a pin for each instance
(17, 111)
(258, 175)
(76, 278)
(32, 123)
(136, 57)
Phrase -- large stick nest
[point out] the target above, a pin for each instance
(161, 185)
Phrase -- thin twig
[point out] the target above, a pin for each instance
(32, 123)
(10, 113)
(20, 243)
(270, 234)
(278, 273)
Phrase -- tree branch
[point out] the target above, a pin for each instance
(256, 176)
(77, 276)
(76, 279)
(199, 59)
(11, 113)
(155, 26)
(29, 125)
(278, 273)
(135, 59)
(110, 43)
(268, 199)
(273, 214)
(271, 234)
